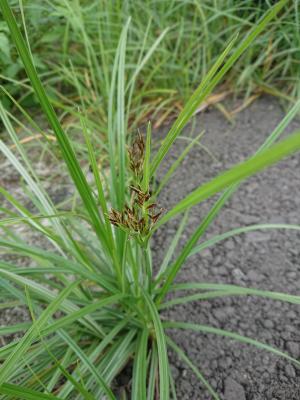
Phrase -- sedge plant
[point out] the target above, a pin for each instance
(93, 295)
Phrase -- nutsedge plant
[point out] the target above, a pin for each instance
(93, 295)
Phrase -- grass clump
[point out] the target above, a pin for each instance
(170, 46)
(94, 298)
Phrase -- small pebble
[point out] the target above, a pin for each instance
(293, 348)
(290, 371)
(233, 390)
(268, 324)
(254, 276)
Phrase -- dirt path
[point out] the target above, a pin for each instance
(262, 259)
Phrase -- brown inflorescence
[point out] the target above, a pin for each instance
(138, 218)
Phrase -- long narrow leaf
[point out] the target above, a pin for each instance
(152, 373)
(172, 247)
(196, 371)
(86, 361)
(161, 348)
(236, 174)
(22, 393)
(219, 204)
(198, 96)
(62, 139)
(140, 368)
(289, 298)
(210, 81)
(9, 364)
(239, 231)
(231, 335)
(98, 351)
(49, 295)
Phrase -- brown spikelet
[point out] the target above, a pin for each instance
(136, 155)
(155, 217)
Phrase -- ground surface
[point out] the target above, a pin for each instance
(263, 259)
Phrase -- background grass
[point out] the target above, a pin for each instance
(74, 43)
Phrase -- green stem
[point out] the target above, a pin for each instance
(148, 267)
